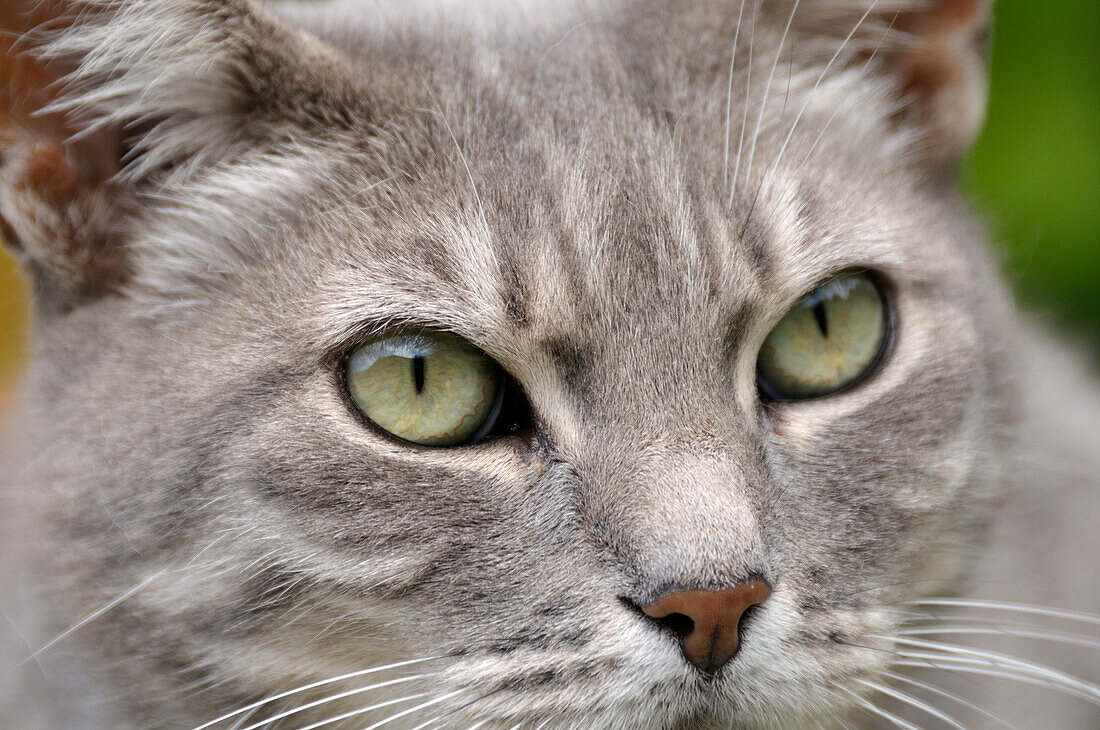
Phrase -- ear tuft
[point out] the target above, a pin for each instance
(105, 102)
(58, 210)
(172, 75)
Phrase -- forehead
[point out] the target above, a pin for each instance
(581, 186)
(549, 199)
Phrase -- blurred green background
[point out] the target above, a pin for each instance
(1035, 173)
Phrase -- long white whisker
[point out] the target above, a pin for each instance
(873, 709)
(948, 695)
(962, 666)
(461, 154)
(93, 616)
(824, 128)
(999, 669)
(998, 659)
(748, 96)
(365, 710)
(729, 99)
(421, 706)
(809, 96)
(243, 719)
(917, 614)
(314, 685)
(913, 702)
(1004, 606)
(926, 620)
(767, 90)
(334, 698)
(1060, 465)
(970, 629)
(429, 722)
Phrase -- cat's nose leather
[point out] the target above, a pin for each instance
(712, 638)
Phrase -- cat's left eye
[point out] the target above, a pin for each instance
(431, 388)
(829, 341)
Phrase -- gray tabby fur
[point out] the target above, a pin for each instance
(571, 190)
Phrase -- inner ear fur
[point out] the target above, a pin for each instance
(932, 51)
(60, 207)
(940, 63)
(104, 101)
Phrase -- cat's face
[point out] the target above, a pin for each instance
(618, 225)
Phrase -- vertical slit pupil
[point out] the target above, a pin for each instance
(821, 318)
(418, 373)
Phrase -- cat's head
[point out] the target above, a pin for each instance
(630, 229)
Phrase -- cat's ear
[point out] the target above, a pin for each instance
(933, 52)
(101, 101)
(939, 59)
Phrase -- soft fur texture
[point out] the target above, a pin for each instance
(617, 202)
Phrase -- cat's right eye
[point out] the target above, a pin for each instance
(828, 342)
(431, 388)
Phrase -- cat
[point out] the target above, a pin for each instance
(527, 366)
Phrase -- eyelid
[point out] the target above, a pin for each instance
(409, 346)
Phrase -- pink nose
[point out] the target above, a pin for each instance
(711, 640)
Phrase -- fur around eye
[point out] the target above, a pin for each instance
(829, 341)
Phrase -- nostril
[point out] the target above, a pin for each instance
(746, 619)
(677, 624)
(708, 624)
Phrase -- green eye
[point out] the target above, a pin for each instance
(830, 340)
(429, 388)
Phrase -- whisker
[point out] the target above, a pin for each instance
(913, 702)
(748, 95)
(1060, 465)
(314, 685)
(364, 710)
(767, 90)
(93, 616)
(809, 96)
(825, 128)
(421, 706)
(729, 98)
(431, 722)
(896, 584)
(926, 618)
(948, 695)
(472, 702)
(993, 658)
(461, 154)
(243, 719)
(1005, 606)
(924, 661)
(875, 710)
(334, 698)
(969, 629)
(1046, 677)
